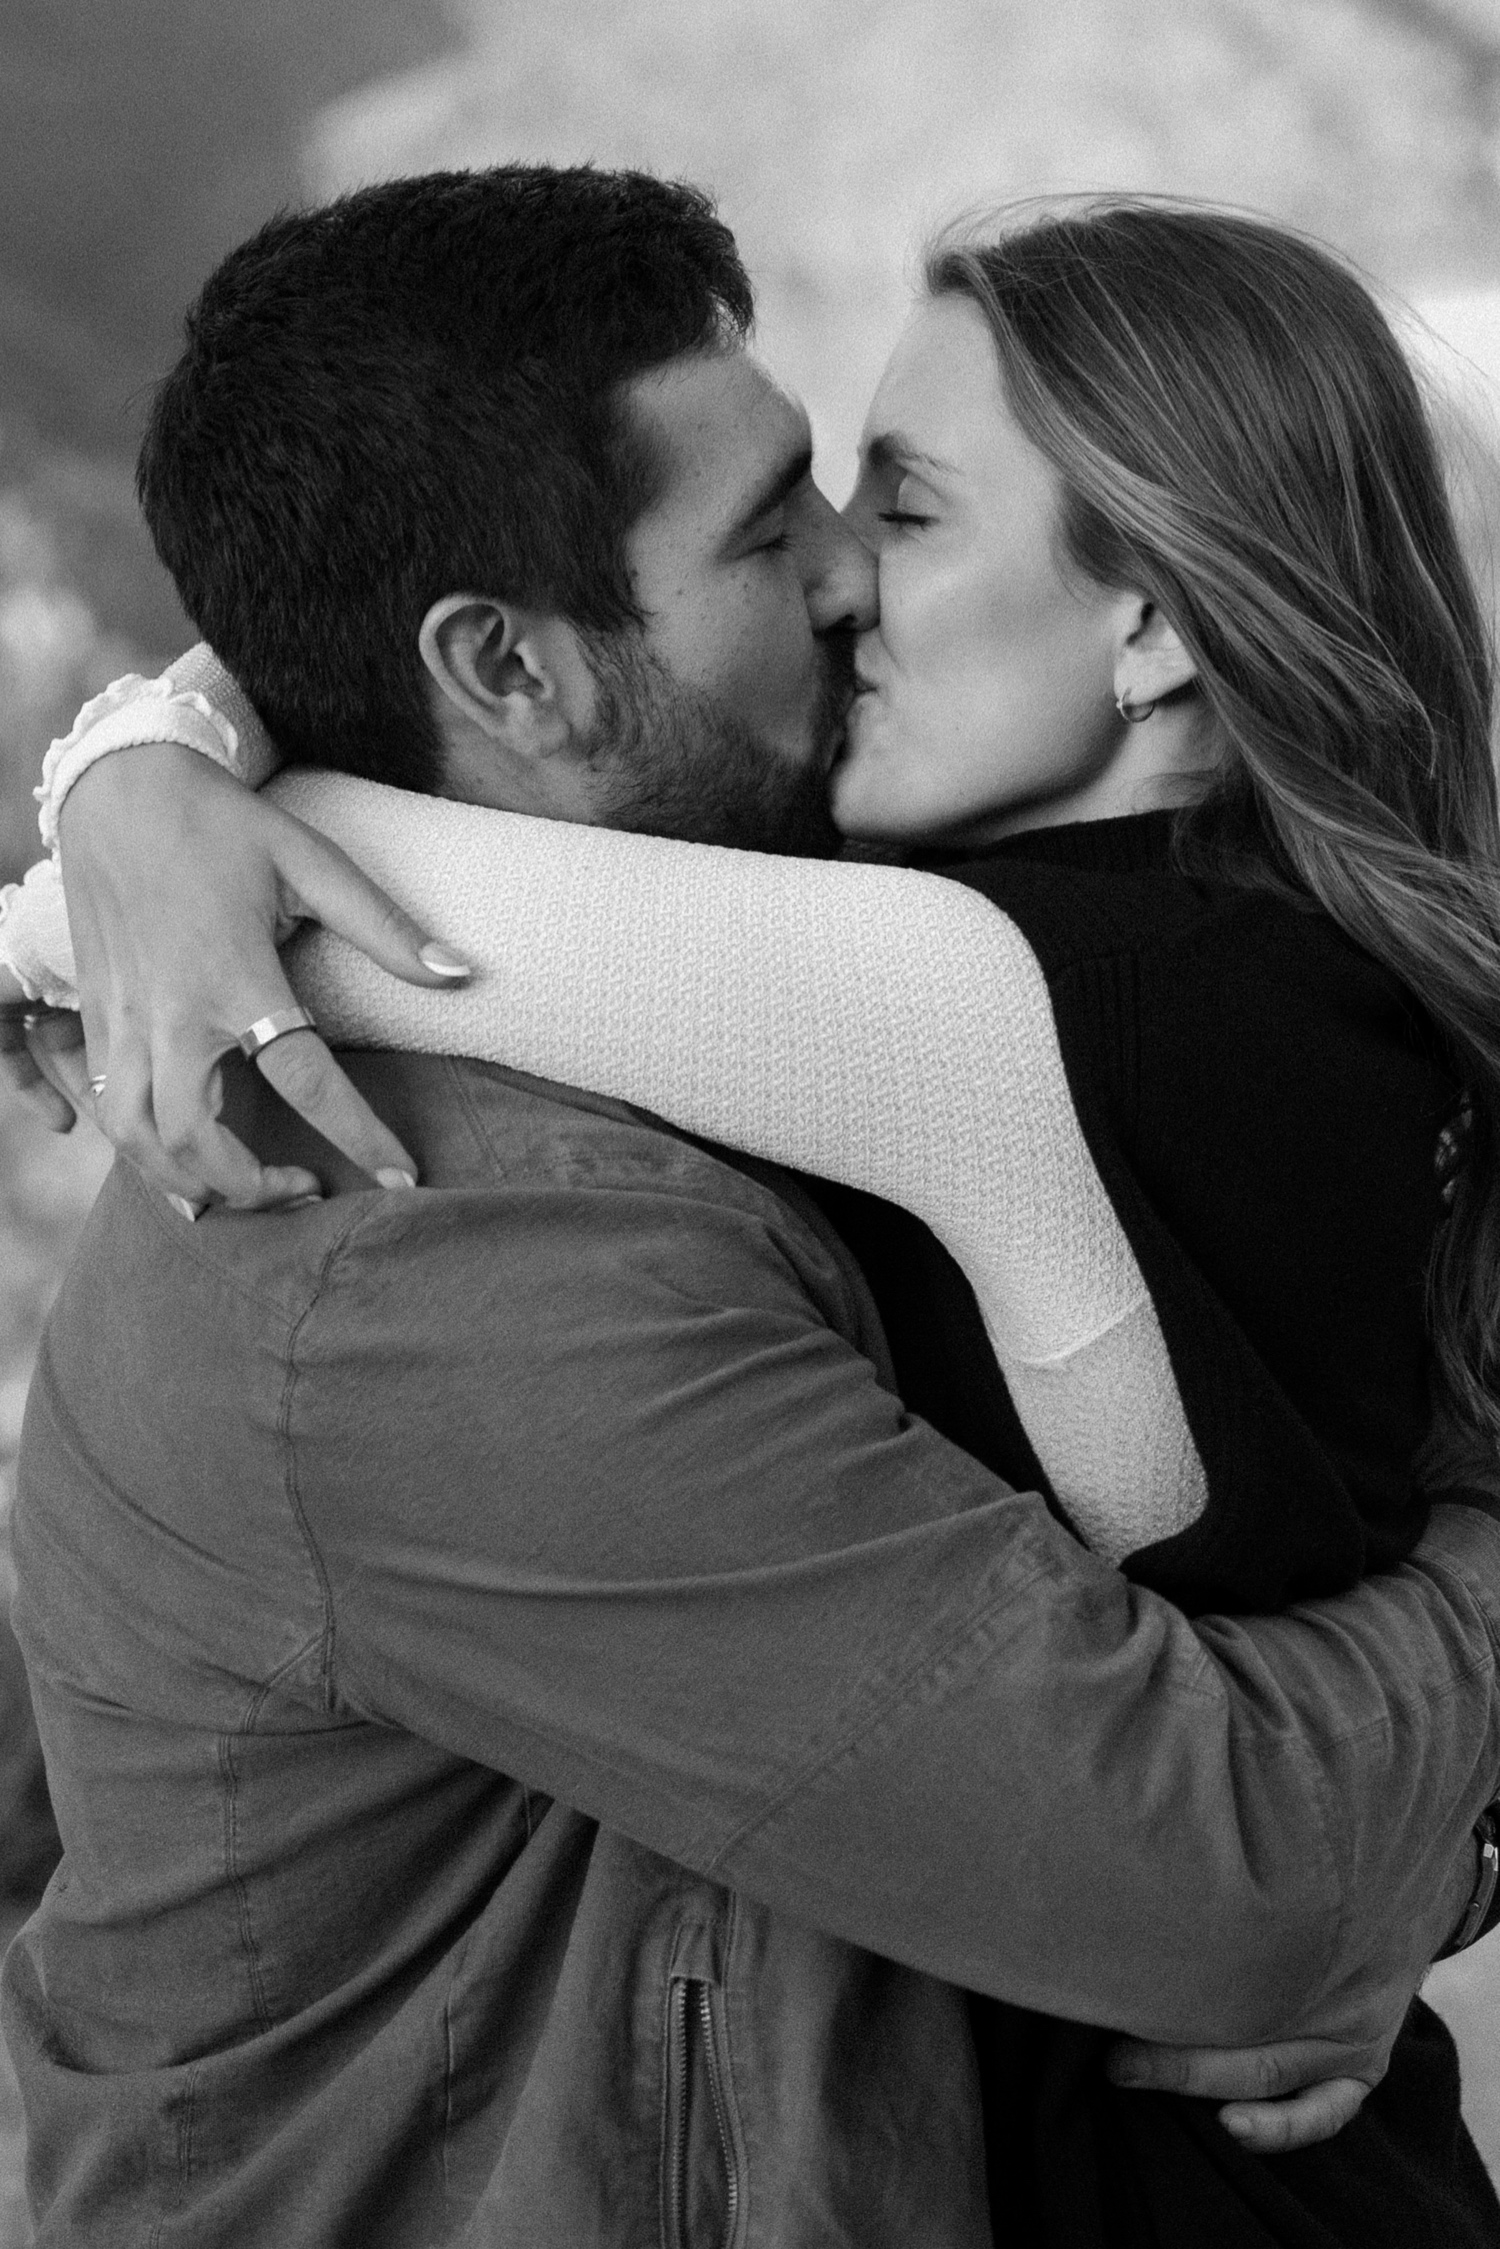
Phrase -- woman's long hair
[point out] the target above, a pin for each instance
(1239, 437)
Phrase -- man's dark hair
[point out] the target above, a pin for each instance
(416, 391)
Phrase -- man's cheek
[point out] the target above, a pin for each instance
(778, 706)
(804, 682)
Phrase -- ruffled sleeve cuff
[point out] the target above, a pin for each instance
(35, 940)
(196, 703)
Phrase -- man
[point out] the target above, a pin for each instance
(552, 1734)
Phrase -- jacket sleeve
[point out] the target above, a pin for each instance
(606, 1500)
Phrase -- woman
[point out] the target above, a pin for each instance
(1174, 459)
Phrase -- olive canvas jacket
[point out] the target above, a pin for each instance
(539, 1734)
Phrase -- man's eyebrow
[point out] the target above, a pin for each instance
(777, 486)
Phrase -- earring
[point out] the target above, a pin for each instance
(1134, 714)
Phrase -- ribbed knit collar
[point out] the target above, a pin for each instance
(1138, 844)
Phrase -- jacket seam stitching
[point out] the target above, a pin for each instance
(249, 1944)
(448, 2083)
(291, 1485)
(900, 1691)
(738, 2152)
(190, 2118)
(484, 1146)
(1409, 1712)
(273, 1679)
(187, 2103)
(1476, 1589)
(228, 1769)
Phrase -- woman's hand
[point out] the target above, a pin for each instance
(1276, 2097)
(28, 1033)
(179, 885)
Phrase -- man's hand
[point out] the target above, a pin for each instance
(1277, 2097)
(180, 884)
(1295, 2092)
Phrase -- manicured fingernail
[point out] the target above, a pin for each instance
(1240, 2126)
(395, 1178)
(183, 1208)
(443, 961)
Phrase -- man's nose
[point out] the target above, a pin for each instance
(840, 579)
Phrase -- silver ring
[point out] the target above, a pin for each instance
(97, 1085)
(272, 1027)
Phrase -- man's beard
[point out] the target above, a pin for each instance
(681, 765)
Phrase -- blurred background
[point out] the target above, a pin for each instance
(140, 139)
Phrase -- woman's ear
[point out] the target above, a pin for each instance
(517, 676)
(1151, 662)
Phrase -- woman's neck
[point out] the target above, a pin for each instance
(1157, 765)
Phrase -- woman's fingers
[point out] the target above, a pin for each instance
(57, 1048)
(177, 1139)
(309, 1080)
(218, 1171)
(197, 1160)
(160, 1107)
(91, 970)
(28, 1077)
(123, 1111)
(327, 887)
(161, 1111)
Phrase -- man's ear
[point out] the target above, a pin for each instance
(1151, 661)
(519, 676)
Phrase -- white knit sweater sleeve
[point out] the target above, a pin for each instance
(870, 1024)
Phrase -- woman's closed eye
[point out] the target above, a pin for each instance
(906, 510)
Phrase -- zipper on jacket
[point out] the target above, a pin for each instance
(693, 2053)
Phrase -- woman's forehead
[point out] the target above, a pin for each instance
(941, 409)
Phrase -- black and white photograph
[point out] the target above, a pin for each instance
(750, 1124)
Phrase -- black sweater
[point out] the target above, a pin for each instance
(1264, 1103)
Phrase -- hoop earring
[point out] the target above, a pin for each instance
(1134, 714)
